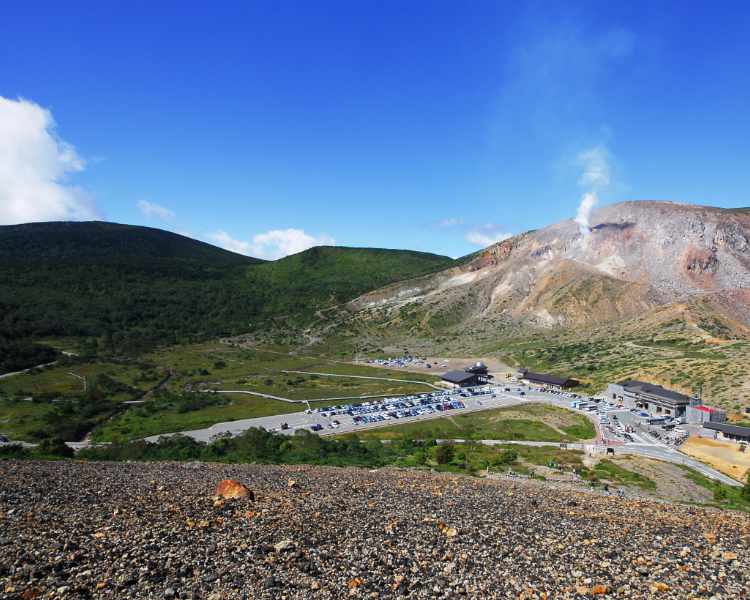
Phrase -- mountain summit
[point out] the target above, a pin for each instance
(634, 257)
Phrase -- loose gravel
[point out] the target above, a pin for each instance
(106, 530)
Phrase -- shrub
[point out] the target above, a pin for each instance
(444, 454)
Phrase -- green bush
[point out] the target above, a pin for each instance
(444, 454)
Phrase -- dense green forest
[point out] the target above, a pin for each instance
(137, 287)
(16, 355)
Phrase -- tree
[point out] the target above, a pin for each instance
(444, 454)
(746, 488)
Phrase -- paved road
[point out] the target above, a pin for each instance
(643, 445)
(14, 373)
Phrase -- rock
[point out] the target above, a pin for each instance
(355, 583)
(229, 488)
(283, 546)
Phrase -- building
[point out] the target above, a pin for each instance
(654, 399)
(725, 431)
(461, 378)
(705, 414)
(476, 374)
(479, 368)
(546, 380)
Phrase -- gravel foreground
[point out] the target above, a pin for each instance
(117, 530)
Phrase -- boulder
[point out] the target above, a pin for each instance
(229, 488)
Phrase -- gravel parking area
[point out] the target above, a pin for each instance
(80, 530)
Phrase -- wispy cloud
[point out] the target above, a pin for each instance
(151, 210)
(272, 244)
(34, 168)
(486, 236)
(596, 165)
(450, 222)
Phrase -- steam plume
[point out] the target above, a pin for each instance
(588, 202)
(595, 176)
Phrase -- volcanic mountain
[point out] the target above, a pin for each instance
(636, 257)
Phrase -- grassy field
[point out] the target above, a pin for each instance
(56, 380)
(529, 422)
(28, 400)
(219, 366)
(210, 365)
(155, 417)
(19, 418)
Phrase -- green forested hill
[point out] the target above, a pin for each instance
(96, 240)
(134, 287)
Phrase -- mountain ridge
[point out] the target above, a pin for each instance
(135, 286)
(637, 254)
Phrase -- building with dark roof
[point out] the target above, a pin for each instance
(547, 380)
(726, 431)
(649, 397)
(461, 378)
(476, 374)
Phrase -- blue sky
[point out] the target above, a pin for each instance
(437, 126)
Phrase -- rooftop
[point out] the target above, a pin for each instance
(545, 378)
(633, 385)
(458, 376)
(728, 428)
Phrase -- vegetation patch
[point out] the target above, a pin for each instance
(527, 422)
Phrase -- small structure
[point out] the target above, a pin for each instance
(476, 374)
(654, 399)
(547, 380)
(705, 414)
(726, 431)
(460, 379)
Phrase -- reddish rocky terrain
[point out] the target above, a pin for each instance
(87, 530)
(635, 257)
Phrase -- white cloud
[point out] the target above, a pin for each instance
(34, 166)
(272, 244)
(151, 209)
(486, 237)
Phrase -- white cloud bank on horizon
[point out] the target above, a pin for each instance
(486, 237)
(34, 166)
(272, 244)
(151, 209)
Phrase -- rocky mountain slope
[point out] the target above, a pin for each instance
(114, 530)
(635, 257)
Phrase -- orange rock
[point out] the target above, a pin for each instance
(229, 488)
(355, 583)
(599, 590)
